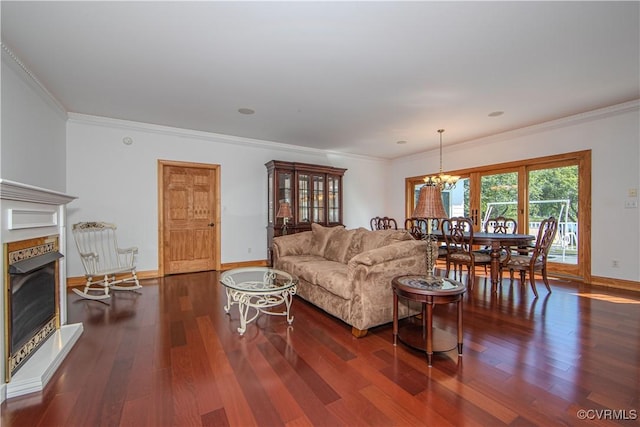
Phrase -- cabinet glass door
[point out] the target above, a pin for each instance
(333, 190)
(318, 199)
(285, 187)
(270, 211)
(304, 198)
(285, 190)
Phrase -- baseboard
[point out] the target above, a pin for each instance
(255, 263)
(72, 282)
(607, 282)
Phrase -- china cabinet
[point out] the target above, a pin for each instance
(304, 192)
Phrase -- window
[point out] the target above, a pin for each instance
(528, 191)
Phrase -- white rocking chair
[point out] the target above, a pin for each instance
(103, 260)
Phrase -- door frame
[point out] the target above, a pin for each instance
(216, 208)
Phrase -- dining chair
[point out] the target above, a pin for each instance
(458, 237)
(499, 224)
(419, 229)
(383, 223)
(536, 260)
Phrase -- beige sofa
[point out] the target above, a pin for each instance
(348, 273)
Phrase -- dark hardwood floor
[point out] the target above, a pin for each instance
(170, 356)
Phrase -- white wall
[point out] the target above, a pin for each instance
(33, 131)
(118, 183)
(613, 135)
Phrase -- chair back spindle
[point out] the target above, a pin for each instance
(538, 257)
(383, 223)
(501, 225)
(458, 237)
(103, 259)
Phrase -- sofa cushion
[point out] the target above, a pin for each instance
(379, 238)
(308, 269)
(300, 265)
(332, 276)
(329, 275)
(338, 245)
(320, 237)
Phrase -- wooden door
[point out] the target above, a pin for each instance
(189, 217)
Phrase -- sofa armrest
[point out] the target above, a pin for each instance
(371, 273)
(292, 244)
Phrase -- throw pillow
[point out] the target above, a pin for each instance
(338, 245)
(396, 236)
(320, 237)
(356, 245)
(374, 239)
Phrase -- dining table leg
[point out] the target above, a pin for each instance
(495, 265)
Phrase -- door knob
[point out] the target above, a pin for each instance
(211, 224)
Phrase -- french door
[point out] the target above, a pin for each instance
(529, 191)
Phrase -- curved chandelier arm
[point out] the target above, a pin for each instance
(444, 181)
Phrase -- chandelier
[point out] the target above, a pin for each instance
(442, 181)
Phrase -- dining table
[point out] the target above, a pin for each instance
(495, 241)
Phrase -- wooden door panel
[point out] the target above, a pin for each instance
(178, 208)
(201, 205)
(189, 219)
(180, 248)
(202, 251)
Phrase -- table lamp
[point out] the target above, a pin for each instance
(429, 206)
(284, 212)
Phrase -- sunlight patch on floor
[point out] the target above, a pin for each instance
(609, 298)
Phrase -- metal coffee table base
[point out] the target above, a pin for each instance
(260, 303)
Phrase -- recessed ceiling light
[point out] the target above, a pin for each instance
(245, 111)
(401, 142)
(496, 113)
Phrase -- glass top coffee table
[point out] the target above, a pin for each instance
(259, 289)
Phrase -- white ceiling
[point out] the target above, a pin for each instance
(353, 77)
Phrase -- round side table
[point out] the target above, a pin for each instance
(416, 288)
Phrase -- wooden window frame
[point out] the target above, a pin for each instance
(582, 270)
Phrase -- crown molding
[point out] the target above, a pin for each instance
(563, 122)
(600, 113)
(10, 58)
(205, 136)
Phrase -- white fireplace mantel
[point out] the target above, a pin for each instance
(11, 190)
(29, 212)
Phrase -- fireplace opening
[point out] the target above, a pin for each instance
(31, 306)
